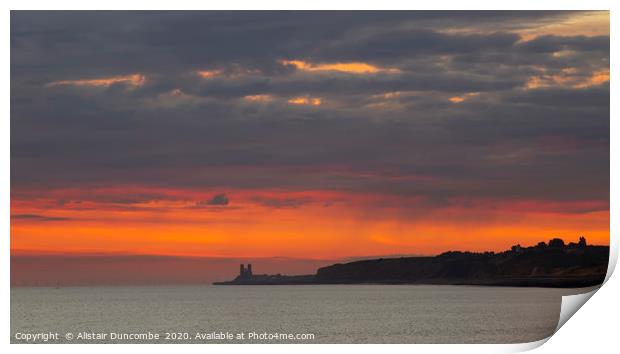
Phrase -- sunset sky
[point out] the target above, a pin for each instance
(308, 135)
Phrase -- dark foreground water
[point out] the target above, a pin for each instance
(299, 314)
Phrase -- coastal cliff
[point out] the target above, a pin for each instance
(544, 265)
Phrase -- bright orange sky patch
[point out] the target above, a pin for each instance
(310, 224)
(207, 74)
(133, 80)
(349, 67)
(313, 101)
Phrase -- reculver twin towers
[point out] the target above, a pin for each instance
(244, 272)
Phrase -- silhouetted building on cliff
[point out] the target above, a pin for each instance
(245, 273)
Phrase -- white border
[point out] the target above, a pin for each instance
(315, 5)
(580, 330)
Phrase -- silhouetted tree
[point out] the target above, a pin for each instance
(556, 243)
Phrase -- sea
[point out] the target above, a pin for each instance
(285, 314)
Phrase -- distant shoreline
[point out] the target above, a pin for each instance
(552, 265)
(517, 283)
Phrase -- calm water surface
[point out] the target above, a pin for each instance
(332, 313)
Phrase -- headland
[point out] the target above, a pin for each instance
(552, 264)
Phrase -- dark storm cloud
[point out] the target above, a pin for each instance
(35, 217)
(351, 84)
(282, 203)
(393, 45)
(394, 132)
(557, 43)
(596, 97)
(109, 43)
(219, 199)
(125, 198)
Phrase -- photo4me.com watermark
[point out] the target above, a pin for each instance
(146, 337)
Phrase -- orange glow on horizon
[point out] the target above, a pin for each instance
(309, 224)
